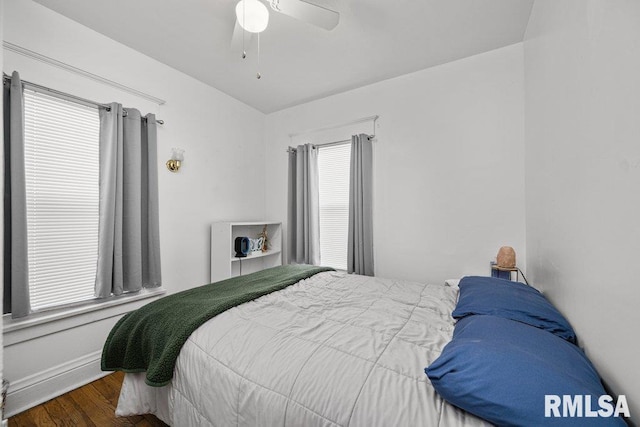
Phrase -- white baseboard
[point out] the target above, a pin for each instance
(53, 382)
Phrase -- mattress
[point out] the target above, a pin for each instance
(331, 350)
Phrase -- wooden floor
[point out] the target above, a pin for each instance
(91, 405)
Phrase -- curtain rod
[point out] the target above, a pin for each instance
(352, 122)
(67, 96)
(327, 144)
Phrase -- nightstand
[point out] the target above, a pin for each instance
(501, 272)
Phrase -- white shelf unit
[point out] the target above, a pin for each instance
(225, 264)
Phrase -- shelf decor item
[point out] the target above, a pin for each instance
(257, 244)
(506, 257)
(242, 246)
(264, 236)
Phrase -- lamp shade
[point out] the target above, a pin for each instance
(177, 154)
(252, 15)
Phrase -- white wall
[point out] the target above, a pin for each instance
(582, 68)
(220, 135)
(449, 179)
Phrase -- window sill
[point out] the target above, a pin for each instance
(49, 322)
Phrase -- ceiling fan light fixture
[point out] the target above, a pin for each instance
(252, 15)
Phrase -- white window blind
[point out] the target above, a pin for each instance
(333, 174)
(61, 172)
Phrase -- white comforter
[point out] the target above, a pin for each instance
(334, 349)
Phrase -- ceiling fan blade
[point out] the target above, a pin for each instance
(307, 12)
(236, 39)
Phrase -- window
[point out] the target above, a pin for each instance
(333, 174)
(61, 178)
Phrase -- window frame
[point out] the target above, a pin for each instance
(51, 321)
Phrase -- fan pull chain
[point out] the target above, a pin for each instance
(244, 14)
(258, 75)
(244, 52)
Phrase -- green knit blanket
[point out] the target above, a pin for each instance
(150, 338)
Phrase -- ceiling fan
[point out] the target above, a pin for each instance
(252, 17)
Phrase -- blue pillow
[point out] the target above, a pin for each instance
(501, 370)
(511, 300)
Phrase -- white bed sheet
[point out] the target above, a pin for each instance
(331, 350)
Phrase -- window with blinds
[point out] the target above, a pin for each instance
(61, 172)
(333, 174)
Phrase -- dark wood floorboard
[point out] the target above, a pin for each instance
(93, 405)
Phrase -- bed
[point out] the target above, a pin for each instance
(331, 350)
(309, 347)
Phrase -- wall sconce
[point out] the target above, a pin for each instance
(177, 156)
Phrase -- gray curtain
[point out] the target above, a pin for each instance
(303, 206)
(16, 268)
(128, 240)
(360, 242)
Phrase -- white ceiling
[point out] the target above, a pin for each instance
(375, 40)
